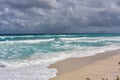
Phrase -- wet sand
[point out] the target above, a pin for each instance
(98, 67)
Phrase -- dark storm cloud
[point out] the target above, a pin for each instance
(62, 16)
(118, 3)
(24, 4)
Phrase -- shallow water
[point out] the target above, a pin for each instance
(26, 50)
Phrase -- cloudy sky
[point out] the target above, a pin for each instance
(59, 16)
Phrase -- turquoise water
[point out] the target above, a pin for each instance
(43, 50)
(22, 47)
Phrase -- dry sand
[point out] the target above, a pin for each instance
(99, 67)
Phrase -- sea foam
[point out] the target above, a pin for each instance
(36, 54)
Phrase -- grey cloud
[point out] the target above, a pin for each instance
(118, 3)
(24, 4)
(62, 16)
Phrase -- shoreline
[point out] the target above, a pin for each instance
(75, 65)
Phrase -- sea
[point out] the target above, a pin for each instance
(45, 49)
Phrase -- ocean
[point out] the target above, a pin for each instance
(45, 49)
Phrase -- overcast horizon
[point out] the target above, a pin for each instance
(59, 16)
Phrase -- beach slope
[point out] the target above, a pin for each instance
(99, 67)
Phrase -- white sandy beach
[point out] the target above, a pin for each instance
(99, 67)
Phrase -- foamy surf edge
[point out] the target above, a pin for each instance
(53, 58)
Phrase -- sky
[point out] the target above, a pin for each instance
(59, 16)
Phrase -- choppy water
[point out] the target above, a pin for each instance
(26, 50)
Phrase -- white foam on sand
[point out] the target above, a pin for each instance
(35, 72)
(35, 68)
